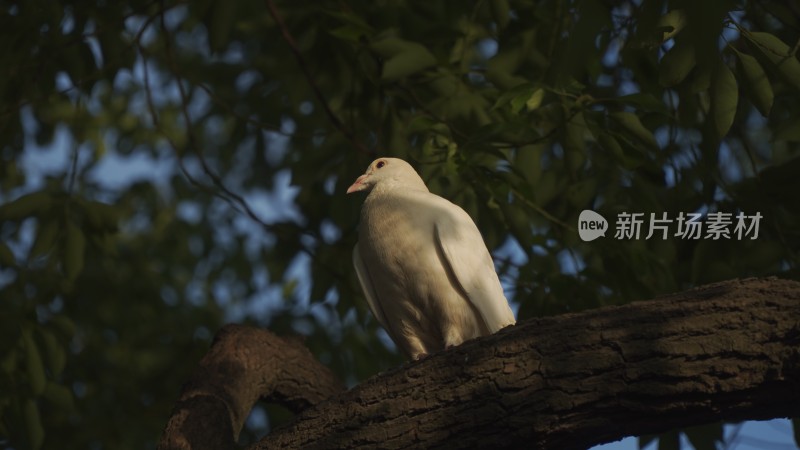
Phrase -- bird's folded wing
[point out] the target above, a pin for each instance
(369, 290)
(468, 260)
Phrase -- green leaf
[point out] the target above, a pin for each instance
(724, 97)
(7, 258)
(516, 96)
(350, 19)
(790, 131)
(630, 122)
(705, 437)
(402, 58)
(501, 68)
(421, 123)
(289, 288)
(33, 424)
(574, 141)
(59, 396)
(765, 254)
(407, 63)
(10, 176)
(676, 64)
(576, 54)
(784, 12)
(528, 162)
(500, 12)
(26, 206)
(74, 251)
(780, 182)
(348, 33)
(8, 362)
(530, 97)
(102, 216)
(756, 84)
(645, 440)
(581, 193)
(353, 28)
(535, 100)
(672, 23)
(711, 263)
(63, 325)
(700, 80)
(519, 223)
(45, 237)
(779, 54)
(669, 441)
(220, 22)
(609, 143)
(796, 428)
(643, 102)
(55, 352)
(33, 363)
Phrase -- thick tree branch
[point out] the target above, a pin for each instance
(243, 365)
(727, 351)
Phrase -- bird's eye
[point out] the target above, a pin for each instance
(380, 164)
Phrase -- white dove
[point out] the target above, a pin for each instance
(422, 264)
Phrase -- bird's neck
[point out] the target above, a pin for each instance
(390, 187)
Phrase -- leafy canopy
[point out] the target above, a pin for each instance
(203, 149)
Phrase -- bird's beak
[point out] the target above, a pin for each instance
(358, 185)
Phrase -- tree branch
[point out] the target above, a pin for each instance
(727, 351)
(243, 365)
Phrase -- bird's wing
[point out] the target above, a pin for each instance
(467, 259)
(369, 289)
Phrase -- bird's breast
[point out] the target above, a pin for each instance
(396, 238)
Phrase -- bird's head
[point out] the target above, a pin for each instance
(388, 172)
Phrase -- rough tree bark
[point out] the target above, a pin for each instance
(725, 351)
(243, 365)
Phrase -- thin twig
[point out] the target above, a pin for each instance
(235, 200)
(540, 210)
(418, 102)
(157, 125)
(76, 84)
(215, 178)
(287, 36)
(249, 120)
(73, 169)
